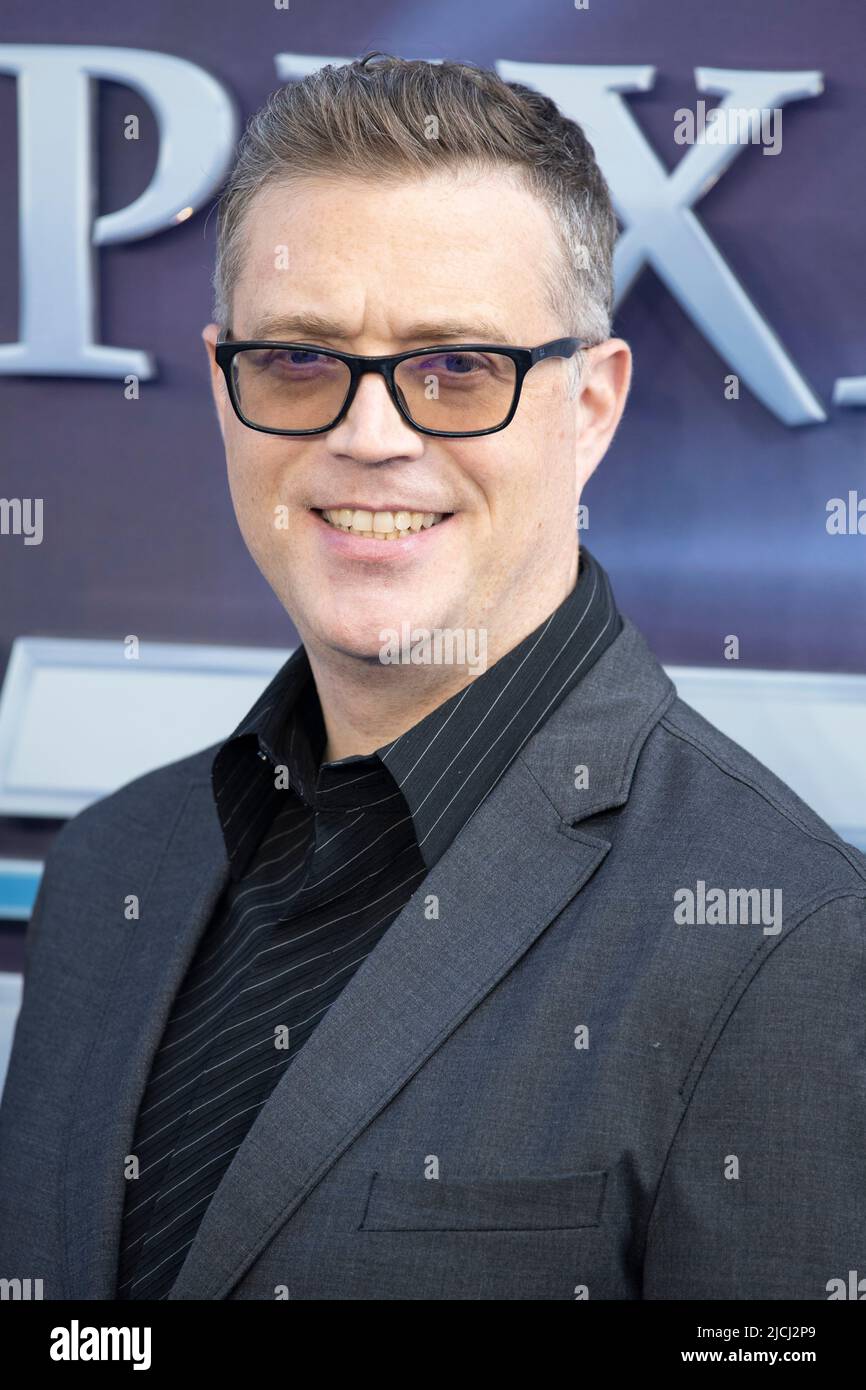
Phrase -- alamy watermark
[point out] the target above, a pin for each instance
(22, 516)
(22, 1290)
(436, 646)
(713, 907)
(77, 1343)
(729, 125)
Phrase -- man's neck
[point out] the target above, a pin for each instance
(367, 704)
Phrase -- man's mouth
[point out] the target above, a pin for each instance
(380, 526)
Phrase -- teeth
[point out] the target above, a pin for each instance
(381, 526)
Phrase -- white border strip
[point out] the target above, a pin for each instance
(77, 720)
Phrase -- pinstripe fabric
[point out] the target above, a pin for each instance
(319, 870)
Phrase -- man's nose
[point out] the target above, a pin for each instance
(373, 426)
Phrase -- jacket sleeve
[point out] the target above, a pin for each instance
(763, 1195)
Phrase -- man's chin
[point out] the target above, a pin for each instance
(394, 640)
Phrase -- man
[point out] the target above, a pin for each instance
(480, 968)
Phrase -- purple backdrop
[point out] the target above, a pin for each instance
(709, 515)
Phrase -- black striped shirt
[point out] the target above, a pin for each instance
(319, 868)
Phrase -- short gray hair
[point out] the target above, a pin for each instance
(373, 118)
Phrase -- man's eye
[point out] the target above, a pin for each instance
(302, 357)
(453, 363)
(295, 357)
(286, 359)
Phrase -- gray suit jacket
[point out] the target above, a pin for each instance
(541, 1084)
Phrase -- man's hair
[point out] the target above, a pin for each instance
(387, 118)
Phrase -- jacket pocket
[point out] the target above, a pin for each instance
(566, 1202)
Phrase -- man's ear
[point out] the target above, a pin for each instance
(209, 334)
(602, 397)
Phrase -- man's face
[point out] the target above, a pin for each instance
(392, 267)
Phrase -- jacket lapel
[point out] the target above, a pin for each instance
(514, 867)
(423, 977)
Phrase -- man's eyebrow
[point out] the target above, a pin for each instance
(295, 326)
(478, 330)
(315, 328)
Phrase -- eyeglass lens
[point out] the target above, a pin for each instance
(301, 389)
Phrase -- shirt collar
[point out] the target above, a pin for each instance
(440, 769)
(446, 764)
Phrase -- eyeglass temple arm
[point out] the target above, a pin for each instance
(560, 347)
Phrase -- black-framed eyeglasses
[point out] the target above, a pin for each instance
(456, 390)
